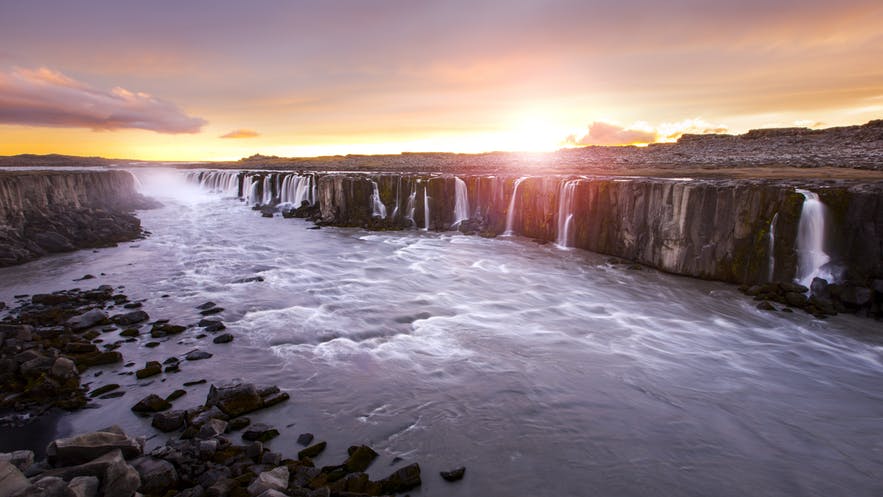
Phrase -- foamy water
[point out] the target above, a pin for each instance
(545, 372)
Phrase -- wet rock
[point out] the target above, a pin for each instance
(766, 306)
(133, 305)
(208, 448)
(197, 355)
(21, 459)
(130, 332)
(260, 432)
(795, 299)
(50, 486)
(177, 394)
(130, 318)
(84, 486)
(402, 480)
(165, 329)
(120, 479)
(89, 446)
(152, 368)
(454, 474)
(11, 479)
(250, 279)
(225, 338)
(64, 369)
(305, 439)
(157, 475)
(210, 312)
(80, 348)
(151, 403)
(207, 305)
(254, 450)
(87, 320)
(276, 398)
(276, 479)
(235, 399)
(237, 424)
(360, 457)
(819, 287)
(194, 383)
(168, 421)
(312, 451)
(855, 296)
(98, 359)
(212, 428)
(103, 389)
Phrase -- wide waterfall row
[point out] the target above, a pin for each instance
(700, 228)
(260, 188)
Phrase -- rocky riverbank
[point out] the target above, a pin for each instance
(48, 342)
(44, 212)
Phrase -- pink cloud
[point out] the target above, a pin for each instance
(601, 133)
(43, 97)
(241, 133)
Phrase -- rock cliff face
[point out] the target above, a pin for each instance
(735, 230)
(741, 231)
(43, 212)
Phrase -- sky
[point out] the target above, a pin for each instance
(216, 80)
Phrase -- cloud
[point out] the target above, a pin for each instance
(43, 97)
(601, 133)
(241, 133)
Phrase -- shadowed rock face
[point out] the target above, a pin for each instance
(45, 212)
(714, 229)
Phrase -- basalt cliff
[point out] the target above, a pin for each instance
(44, 212)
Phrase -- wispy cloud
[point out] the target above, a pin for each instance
(241, 133)
(43, 97)
(601, 133)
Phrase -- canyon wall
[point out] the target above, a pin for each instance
(45, 212)
(740, 231)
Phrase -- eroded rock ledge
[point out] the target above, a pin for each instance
(43, 212)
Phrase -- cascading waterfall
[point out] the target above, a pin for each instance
(565, 212)
(395, 210)
(772, 248)
(510, 213)
(412, 203)
(426, 207)
(811, 256)
(461, 202)
(267, 190)
(378, 210)
(252, 197)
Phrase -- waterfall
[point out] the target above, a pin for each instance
(811, 256)
(461, 202)
(772, 248)
(510, 213)
(565, 212)
(412, 202)
(252, 197)
(395, 210)
(426, 207)
(267, 190)
(377, 208)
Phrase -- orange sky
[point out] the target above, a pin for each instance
(223, 80)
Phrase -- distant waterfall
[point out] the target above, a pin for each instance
(295, 190)
(252, 197)
(565, 212)
(461, 202)
(772, 248)
(267, 190)
(510, 214)
(426, 207)
(412, 203)
(226, 182)
(395, 210)
(811, 256)
(378, 210)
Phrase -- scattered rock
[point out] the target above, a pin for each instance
(305, 439)
(103, 389)
(84, 486)
(11, 479)
(312, 451)
(197, 355)
(225, 338)
(210, 312)
(152, 403)
(87, 320)
(276, 479)
(152, 368)
(176, 395)
(260, 432)
(207, 305)
(157, 475)
(454, 474)
(168, 421)
(89, 446)
(766, 306)
(130, 318)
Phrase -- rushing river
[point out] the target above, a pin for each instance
(545, 372)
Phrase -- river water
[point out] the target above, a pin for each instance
(543, 371)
